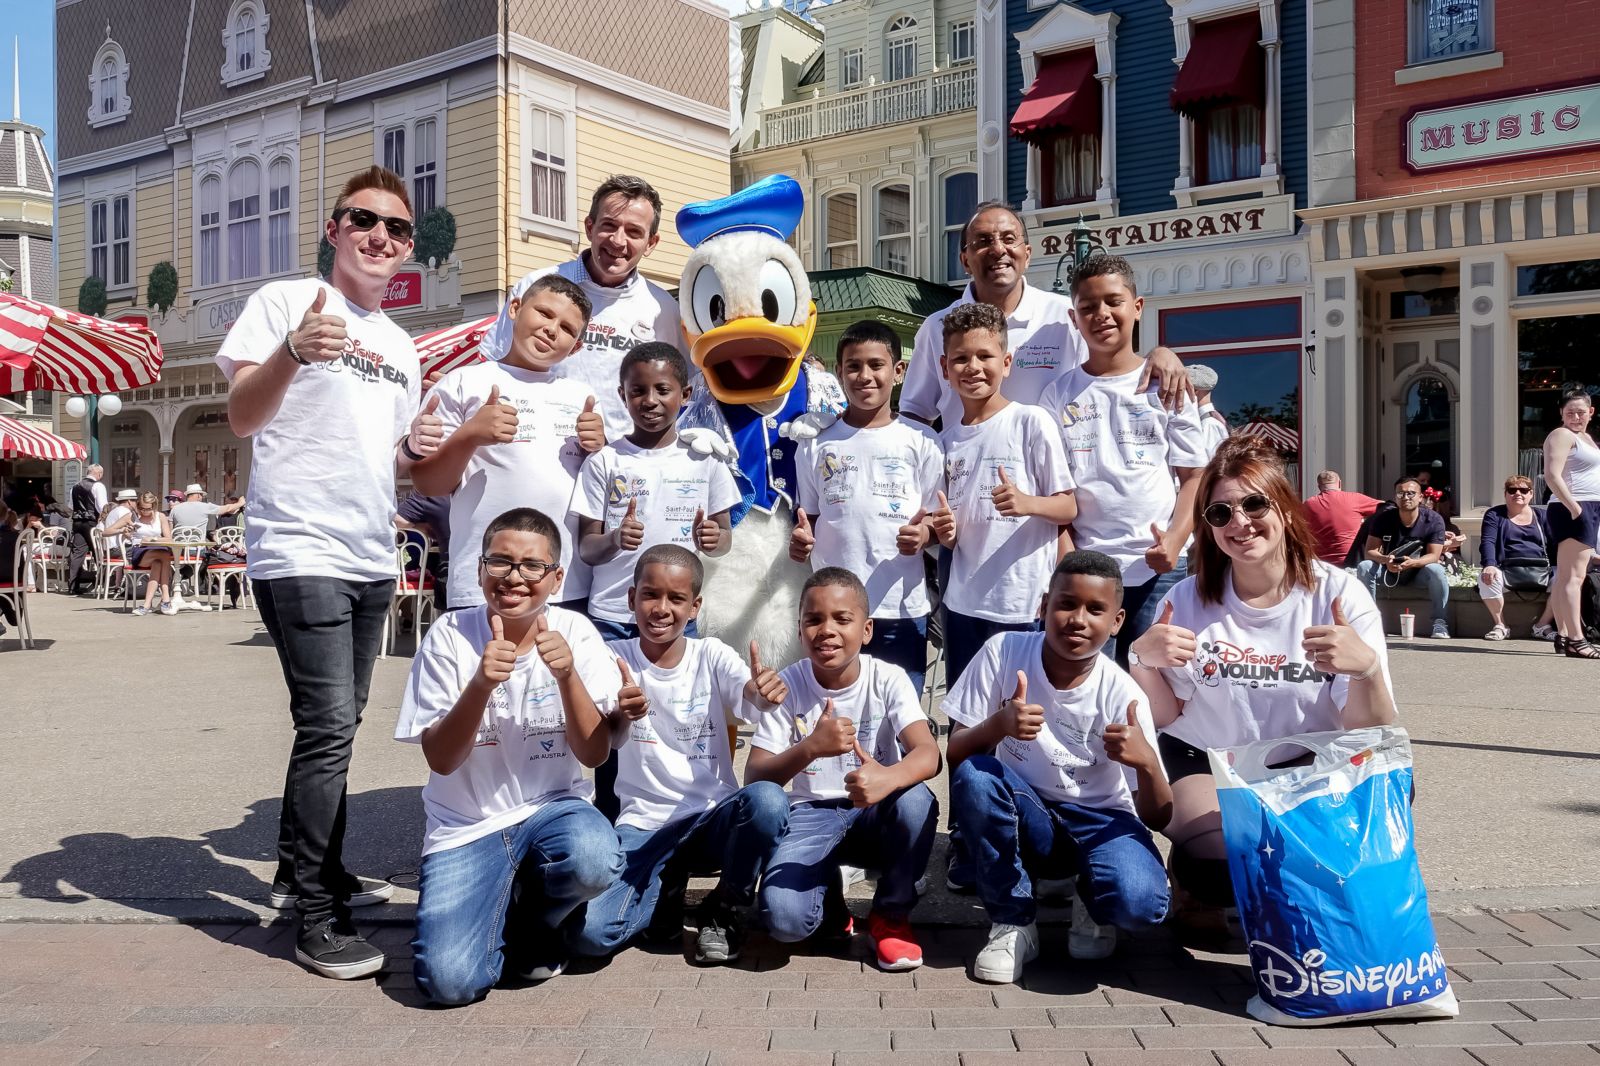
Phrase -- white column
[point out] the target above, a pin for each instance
(1333, 435)
(1486, 417)
(992, 48)
(1274, 120)
(1108, 136)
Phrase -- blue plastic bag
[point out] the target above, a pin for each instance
(1326, 878)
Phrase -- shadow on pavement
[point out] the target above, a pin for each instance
(1513, 749)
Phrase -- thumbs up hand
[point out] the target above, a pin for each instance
(1161, 556)
(493, 423)
(427, 429)
(553, 650)
(802, 540)
(591, 428)
(914, 535)
(631, 701)
(943, 522)
(319, 338)
(768, 685)
(831, 735)
(1018, 717)
(1009, 500)
(499, 655)
(1338, 648)
(1164, 644)
(866, 784)
(1127, 744)
(707, 533)
(630, 531)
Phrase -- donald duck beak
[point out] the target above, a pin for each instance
(752, 360)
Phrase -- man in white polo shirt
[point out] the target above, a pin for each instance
(1044, 342)
(328, 388)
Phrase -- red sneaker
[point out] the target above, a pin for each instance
(897, 946)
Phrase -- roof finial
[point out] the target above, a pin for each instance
(16, 82)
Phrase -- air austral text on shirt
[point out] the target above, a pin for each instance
(321, 498)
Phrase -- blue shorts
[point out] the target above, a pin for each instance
(1584, 528)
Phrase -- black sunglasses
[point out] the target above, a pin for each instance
(362, 219)
(1518, 489)
(1220, 513)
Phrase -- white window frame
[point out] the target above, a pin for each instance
(541, 94)
(214, 230)
(230, 224)
(105, 201)
(900, 35)
(951, 269)
(283, 213)
(430, 170)
(98, 224)
(262, 137)
(967, 28)
(407, 112)
(825, 258)
(846, 57)
(260, 58)
(1416, 30)
(1069, 29)
(1185, 191)
(879, 236)
(110, 52)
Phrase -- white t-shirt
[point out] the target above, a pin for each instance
(1123, 447)
(1043, 341)
(670, 483)
(859, 486)
(881, 703)
(321, 498)
(520, 760)
(1215, 429)
(1249, 679)
(1067, 762)
(113, 516)
(538, 469)
(1001, 565)
(626, 315)
(676, 761)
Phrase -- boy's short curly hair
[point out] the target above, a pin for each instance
(968, 318)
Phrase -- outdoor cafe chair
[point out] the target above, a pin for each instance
(14, 588)
(107, 564)
(223, 568)
(413, 585)
(52, 552)
(189, 558)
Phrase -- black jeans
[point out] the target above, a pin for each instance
(82, 548)
(327, 632)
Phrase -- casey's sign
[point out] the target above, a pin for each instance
(1486, 130)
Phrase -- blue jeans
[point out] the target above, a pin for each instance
(326, 631)
(566, 853)
(1141, 602)
(903, 642)
(1010, 828)
(894, 837)
(965, 636)
(1371, 575)
(610, 630)
(736, 837)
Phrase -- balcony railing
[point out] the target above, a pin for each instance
(940, 93)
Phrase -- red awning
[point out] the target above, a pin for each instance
(1224, 66)
(455, 346)
(45, 347)
(1064, 98)
(20, 439)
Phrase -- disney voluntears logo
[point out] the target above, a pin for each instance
(1284, 977)
(1216, 661)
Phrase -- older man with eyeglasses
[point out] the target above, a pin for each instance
(1515, 546)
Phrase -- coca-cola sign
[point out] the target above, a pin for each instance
(405, 290)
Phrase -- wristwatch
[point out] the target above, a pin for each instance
(288, 343)
(1133, 659)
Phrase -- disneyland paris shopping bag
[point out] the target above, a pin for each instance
(1330, 895)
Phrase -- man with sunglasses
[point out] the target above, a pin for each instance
(1405, 542)
(328, 389)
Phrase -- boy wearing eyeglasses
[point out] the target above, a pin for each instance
(508, 702)
(516, 435)
(1126, 449)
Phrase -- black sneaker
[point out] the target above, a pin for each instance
(541, 961)
(961, 876)
(666, 924)
(356, 892)
(721, 934)
(337, 952)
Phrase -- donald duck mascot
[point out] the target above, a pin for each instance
(749, 319)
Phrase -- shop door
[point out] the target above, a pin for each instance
(1420, 416)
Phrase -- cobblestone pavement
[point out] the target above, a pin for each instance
(134, 993)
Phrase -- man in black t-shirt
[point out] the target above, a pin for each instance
(1405, 542)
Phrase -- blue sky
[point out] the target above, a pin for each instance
(32, 23)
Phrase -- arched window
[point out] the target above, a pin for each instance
(244, 220)
(900, 49)
(894, 228)
(1429, 430)
(960, 201)
(210, 230)
(244, 39)
(244, 43)
(108, 85)
(840, 239)
(280, 231)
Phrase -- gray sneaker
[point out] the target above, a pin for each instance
(1441, 630)
(720, 936)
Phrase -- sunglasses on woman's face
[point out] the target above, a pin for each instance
(1518, 490)
(362, 219)
(1220, 513)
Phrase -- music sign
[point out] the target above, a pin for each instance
(1485, 130)
(405, 290)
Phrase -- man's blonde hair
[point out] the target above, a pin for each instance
(374, 178)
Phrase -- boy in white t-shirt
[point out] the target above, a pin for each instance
(1067, 782)
(683, 813)
(500, 700)
(854, 745)
(1136, 464)
(1011, 493)
(516, 436)
(648, 488)
(865, 487)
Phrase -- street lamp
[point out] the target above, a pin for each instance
(93, 407)
(1082, 242)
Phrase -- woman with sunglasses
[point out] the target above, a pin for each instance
(1515, 547)
(1264, 640)
(148, 523)
(1572, 470)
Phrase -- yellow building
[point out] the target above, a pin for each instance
(214, 135)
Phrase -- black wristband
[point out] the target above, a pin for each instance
(405, 449)
(288, 344)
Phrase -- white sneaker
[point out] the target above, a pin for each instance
(140, 611)
(1088, 938)
(169, 608)
(1010, 948)
(1441, 630)
(850, 876)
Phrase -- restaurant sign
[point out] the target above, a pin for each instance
(1505, 128)
(1271, 216)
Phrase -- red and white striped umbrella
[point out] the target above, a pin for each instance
(446, 349)
(20, 439)
(47, 348)
(1280, 437)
